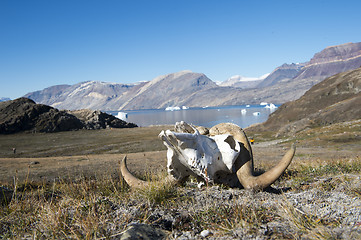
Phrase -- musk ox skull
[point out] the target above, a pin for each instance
(224, 156)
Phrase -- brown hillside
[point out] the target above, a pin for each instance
(336, 99)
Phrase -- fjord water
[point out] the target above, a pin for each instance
(241, 115)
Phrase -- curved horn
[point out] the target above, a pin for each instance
(245, 172)
(249, 181)
(135, 182)
(130, 178)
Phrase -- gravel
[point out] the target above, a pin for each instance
(306, 214)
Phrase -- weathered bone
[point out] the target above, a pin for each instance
(129, 178)
(136, 182)
(245, 167)
(223, 157)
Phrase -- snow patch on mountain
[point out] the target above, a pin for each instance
(242, 82)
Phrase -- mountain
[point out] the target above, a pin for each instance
(24, 114)
(336, 99)
(48, 95)
(91, 95)
(290, 81)
(286, 83)
(2, 99)
(282, 73)
(242, 82)
(332, 60)
(176, 89)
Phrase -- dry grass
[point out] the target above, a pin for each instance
(87, 208)
(84, 197)
(82, 142)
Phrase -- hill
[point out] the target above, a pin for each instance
(23, 114)
(336, 99)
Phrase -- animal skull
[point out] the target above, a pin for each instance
(225, 156)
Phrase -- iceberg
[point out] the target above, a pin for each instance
(243, 111)
(263, 103)
(122, 116)
(271, 106)
(172, 108)
(185, 107)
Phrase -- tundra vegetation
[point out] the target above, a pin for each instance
(68, 185)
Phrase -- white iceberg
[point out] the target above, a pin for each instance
(172, 108)
(122, 116)
(271, 106)
(243, 111)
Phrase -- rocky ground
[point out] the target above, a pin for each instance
(82, 196)
(217, 213)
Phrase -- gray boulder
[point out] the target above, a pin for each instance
(142, 231)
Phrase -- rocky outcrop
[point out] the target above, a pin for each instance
(336, 99)
(24, 114)
(99, 120)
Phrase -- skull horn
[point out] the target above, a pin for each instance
(132, 181)
(245, 172)
(135, 182)
(246, 176)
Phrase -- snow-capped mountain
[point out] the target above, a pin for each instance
(239, 81)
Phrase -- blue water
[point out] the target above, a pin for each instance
(206, 117)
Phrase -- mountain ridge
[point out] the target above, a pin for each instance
(286, 83)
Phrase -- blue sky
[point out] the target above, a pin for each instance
(45, 43)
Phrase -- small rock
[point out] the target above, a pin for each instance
(205, 233)
(142, 231)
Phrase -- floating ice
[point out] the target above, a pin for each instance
(122, 115)
(172, 108)
(271, 106)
